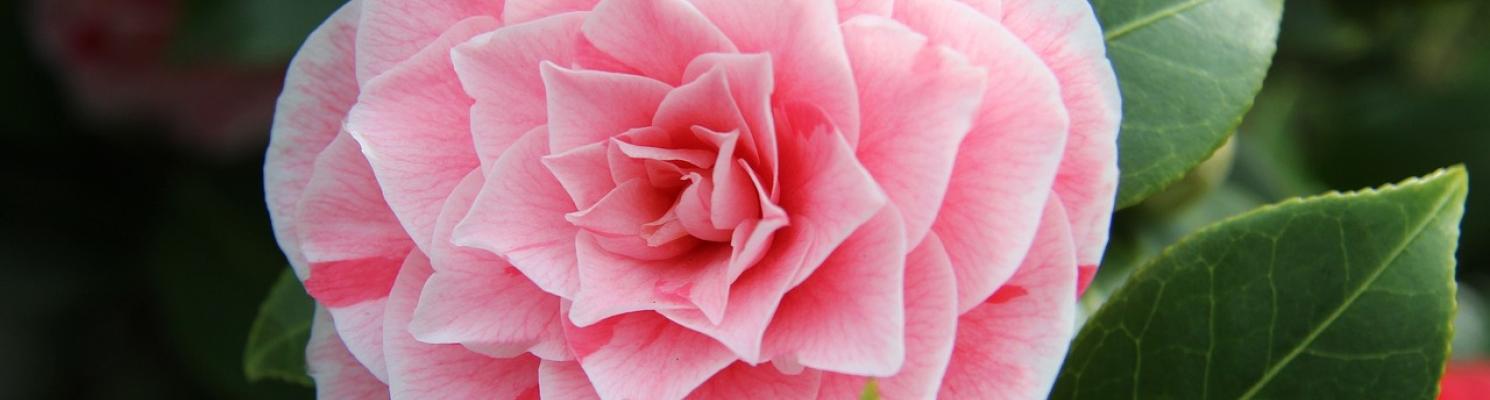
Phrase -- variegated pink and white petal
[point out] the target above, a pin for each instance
(644, 356)
(741, 381)
(565, 380)
(337, 374)
(393, 31)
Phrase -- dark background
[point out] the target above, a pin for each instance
(135, 247)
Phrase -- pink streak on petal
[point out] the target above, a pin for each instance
(519, 215)
(1013, 348)
(337, 374)
(741, 381)
(520, 11)
(918, 102)
(646, 357)
(565, 380)
(343, 218)
(347, 282)
(657, 37)
(413, 124)
(319, 89)
(1084, 275)
(392, 31)
(585, 107)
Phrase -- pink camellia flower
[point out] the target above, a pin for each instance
(659, 199)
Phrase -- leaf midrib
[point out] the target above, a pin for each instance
(1267, 377)
(1124, 29)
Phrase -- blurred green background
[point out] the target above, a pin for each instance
(135, 245)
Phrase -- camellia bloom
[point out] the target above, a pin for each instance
(659, 199)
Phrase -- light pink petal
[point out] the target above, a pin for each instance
(696, 157)
(499, 70)
(520, 11)
(581, 172)
(741, 381)
(1003, 174)
(657, 37)
(1065, 34)
(360, 326)
(735, 198)
(319, 89)
(750, 84)
(806, 48)
(565, 380)
(1011, 346)
(693, 210)
(992, 8)
(918, 102)
(392, 31)
(585, 107)
(623, 210)
(337, 374)
(612, 284)
(705, 102)
(753, 237)
(848, 9)
(418, 370)
(414, 128)
(520, 216)
(343, 216)
(643, 356)
(480, 301)
(849, 317)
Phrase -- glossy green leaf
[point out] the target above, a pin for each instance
(1341, 296)
(1187, 70)
(276, 343)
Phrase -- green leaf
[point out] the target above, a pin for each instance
(871, 390)
(1187, 70)
(276, 343)
(1336, 296)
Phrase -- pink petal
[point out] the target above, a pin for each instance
(500, 71)
(337, 374)
(585, 107)
(360, 326)
(580, 171)
(623, 210)
(1012, 345)
(734, 198)
(849, 317)
(520, 216)
(612, 284)
(657, 37)
(414, 128)
(741, 381)
(392, 31)
(643, 356)
(750, 84)
(565, 380)
(319, 89)
(417, 370)
(520, 11)
(918, 102)
(343, 217)
(806, 49)
(704, 102)
(478, 300)
(1003, 174)
(1065, 34)
(848, 9)
(693, 210)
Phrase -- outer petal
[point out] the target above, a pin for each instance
(519, 11)
(1011, 346)
(519, 215)
(565, 380)
(643, 356)
(414, 127)
(849, 317)
(806, 49)
(476, 299)
(586, 107)
(319, 89)
(657, 37)
(500, 71)
(741, 381)
(337, 374)
(394, 30)
(848, 9)
(418, 370)
(1067, 37)
(1003, 174)
(917, 103)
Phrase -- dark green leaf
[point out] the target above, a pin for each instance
(1188, 70)
(1336, 296)
(276, 343)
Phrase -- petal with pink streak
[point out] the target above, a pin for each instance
(586, 107)
(918, 102)
(750, 85)
(418, 370)
(806, 48)
(1066, 35)
(360, 326)
(657, 37)
(849, 316)
(414, 126)
(337, 374)
(476, 299)
(565, 380)
(393, 31)
(343, 216)
(519, 215)
(499, 69)
(931, 328)
(741, 381)
(319, 90)
(520, 11)
(848, 9)
(612, 284)
(643, 356)
(1004, 172)
(1011, 346)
